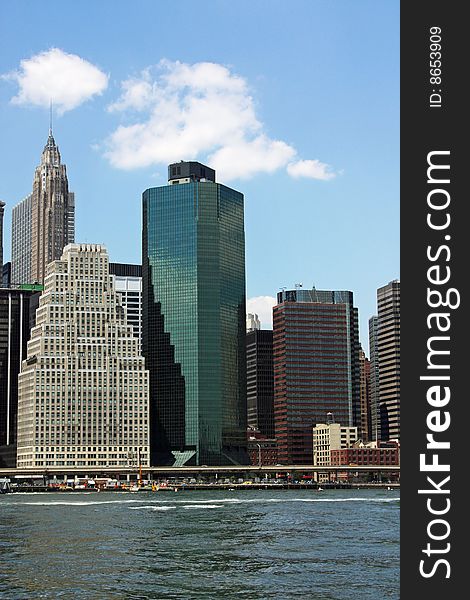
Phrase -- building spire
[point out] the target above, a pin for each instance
(50, 118)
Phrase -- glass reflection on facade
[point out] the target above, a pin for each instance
(194, 320)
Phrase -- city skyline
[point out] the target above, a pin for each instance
(337, 113)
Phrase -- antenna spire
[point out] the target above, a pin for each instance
(50, 118)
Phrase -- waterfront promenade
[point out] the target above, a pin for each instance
(374, 471)
(201, 478)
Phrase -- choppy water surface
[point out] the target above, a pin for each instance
(334, 544)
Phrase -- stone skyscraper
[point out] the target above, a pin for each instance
(46, 222)
(193, 318)
(83, 388)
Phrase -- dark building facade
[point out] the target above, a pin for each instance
(316, 367)
(260, 381)
(17, 317)
(6, 275)
(193, 333)
(2, 210)
(125, 269)
(364, 428)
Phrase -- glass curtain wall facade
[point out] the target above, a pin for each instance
(194, 322)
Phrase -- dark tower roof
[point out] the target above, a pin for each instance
(192, 170)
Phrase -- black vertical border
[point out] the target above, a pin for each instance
(425, 129)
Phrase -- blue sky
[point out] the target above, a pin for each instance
(295, 104)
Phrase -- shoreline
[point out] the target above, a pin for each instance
(209, 487)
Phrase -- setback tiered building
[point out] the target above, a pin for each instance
(83, 388)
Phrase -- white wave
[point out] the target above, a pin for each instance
(76, 503)
(211, 501)
(207, 503)
(151, 507)
(203, 506)
(327, 500)
(282, 500)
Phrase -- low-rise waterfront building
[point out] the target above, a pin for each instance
(261, 449)
(328, 437)
(365, 456)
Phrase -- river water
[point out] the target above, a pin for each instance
(253, 545)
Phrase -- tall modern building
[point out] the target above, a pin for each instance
(316, 367)
(17, 314)
(374, 379)
(2, 210)
(387, 396)
(21, 241)
(128, 285)
(193, 328)
(44, 222)
(364, 425)
(260, 381)
(83, 387)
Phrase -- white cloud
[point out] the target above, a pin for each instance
(243, 159)
(263, 307)
(66, 79)
(137, 94)
(201, 111)
(313, 169)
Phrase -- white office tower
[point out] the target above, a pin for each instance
(252, 322)
(128, 284)
(21, 241)
(83, 389)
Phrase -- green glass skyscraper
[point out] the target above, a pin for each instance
(193, 318)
